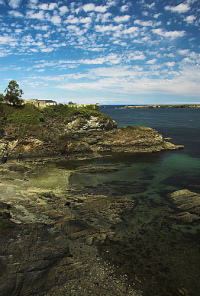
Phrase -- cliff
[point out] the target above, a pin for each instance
(76, 136)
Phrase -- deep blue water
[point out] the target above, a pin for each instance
(183, 125)
(159, 255)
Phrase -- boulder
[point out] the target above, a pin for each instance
(187, 204)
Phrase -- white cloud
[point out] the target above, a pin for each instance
(4, 53)
(14, 3)
(143, 23)
(157, 15)
(107, 28)
(104, 17)
(124, 8)
(47, 49)
(112, 3)
(56, 19)
(116, 71)
(120, 19)
(137, 56)
(190, 19)
(15, 13)
(101, 9)
(130, 30)
(46, 6)
(181, 8)
(89, 7)
(183, 51)
(170, 64)
(118, 42)
(111, 59)
(6, 39)
(63, 9)
(125, 81)
(169, 34)
(43, 28)
(151, 62)
(75, 29)
(72, 20)
(85, 20)
(150, 6)
(35, 15)
(52, 6)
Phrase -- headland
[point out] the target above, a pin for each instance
(180, 106)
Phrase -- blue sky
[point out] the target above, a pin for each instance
(110, 52)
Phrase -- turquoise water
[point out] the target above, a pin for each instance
(158, 255)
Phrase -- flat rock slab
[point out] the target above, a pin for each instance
(188, 204)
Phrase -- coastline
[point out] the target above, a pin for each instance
(59, 229)
(180, 106)
(59, 224)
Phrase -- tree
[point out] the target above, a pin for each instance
(1, 98)
(13, 93)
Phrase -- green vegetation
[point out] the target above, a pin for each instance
(18, 115)
(132, 128)
(1, 98)
(28, 120)
(13, 93)
(64, 111)
(30, 115)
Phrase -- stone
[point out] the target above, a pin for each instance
(187, 204)
(31, 256)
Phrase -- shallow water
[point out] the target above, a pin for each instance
(158, 255)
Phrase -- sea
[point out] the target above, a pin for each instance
(157, 254)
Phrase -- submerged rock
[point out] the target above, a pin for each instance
(188, 205)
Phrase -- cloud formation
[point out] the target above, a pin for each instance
(114, 46)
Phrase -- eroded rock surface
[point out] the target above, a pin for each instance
(80, 138)
(188, 205)
(49, 234)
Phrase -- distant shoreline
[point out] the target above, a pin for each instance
(192, 106)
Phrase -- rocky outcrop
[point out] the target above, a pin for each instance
(134, 140)
(187, 204)
(80, 124)
(80, 138)
(33, 258)
(191, 106)
(49, 233)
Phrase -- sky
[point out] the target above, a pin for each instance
(102, 51)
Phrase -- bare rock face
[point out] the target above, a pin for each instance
(49, 235)
(32, 257)
(134, 140)
(93, 123)
(188, 205)
(82, 138)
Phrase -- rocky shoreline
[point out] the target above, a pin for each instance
(180, 106)
(81, 138)
(49, 235)
(50, 231)
(187, 204)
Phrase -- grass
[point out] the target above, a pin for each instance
(64, 111)
(18, 115)
(30, 115)
(28, 120)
